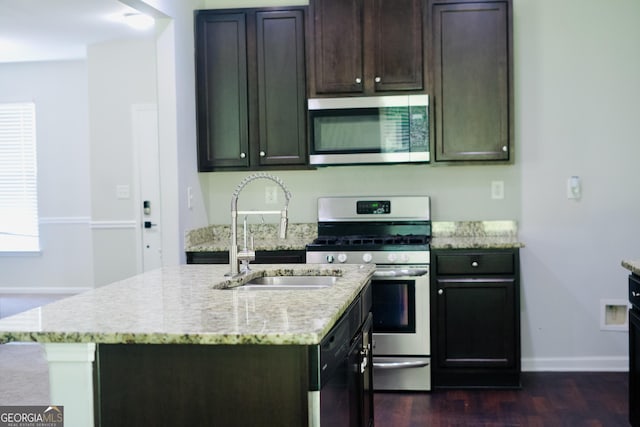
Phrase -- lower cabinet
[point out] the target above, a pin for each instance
(262, 257)
(475, 318)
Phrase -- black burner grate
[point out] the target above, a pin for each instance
(371, 240)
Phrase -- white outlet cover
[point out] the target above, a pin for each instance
(614, 315)
(271, 195)
(497, 190)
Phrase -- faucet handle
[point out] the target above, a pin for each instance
(247, 253)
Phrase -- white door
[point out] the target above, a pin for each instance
(145, 140)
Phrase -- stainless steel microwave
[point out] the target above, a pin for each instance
(369, 130)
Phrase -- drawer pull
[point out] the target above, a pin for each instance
(474, 264)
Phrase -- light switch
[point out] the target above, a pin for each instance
(574, 187)
(123, 191)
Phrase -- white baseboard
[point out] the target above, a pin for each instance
(576, 364)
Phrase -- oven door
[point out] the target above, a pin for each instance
(401, 311)
(401, 331)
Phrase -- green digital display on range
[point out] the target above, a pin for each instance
(373, 207)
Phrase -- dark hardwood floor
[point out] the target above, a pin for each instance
(547, 399)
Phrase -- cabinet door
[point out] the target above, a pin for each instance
(337, 39)
(397, 50)
(221, 80)
(281, 88)
(634, 367)
(476, 323)
(472, 81)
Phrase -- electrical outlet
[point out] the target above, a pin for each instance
(271, 195)
(497, 190)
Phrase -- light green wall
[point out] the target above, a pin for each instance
(577, 89)
(458, 193)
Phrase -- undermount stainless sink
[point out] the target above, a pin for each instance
(287, 283)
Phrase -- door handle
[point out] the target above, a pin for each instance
(400, 365)
(149, 224)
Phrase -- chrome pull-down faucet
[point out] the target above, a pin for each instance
(247, 254)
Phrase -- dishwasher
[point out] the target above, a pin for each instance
(341, 392)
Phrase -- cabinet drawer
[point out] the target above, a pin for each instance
(475, 263)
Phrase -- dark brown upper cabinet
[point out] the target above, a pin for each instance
(251, 88)
(366, 47)
(472, 70)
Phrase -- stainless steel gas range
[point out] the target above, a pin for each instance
(394, 233)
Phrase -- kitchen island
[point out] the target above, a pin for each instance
(191, 314)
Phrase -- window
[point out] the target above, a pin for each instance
(18, 179)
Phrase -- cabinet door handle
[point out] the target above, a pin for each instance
(262, 154)
(377, 80)
(440, 292)
(504, 148)
(358, 80)
(364, 361)
(635, 294)
(242, 155)
(474, 264)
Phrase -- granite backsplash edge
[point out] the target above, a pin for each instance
(466, 233)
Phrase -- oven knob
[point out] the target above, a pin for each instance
(367, 257)
(342, 257)
(392, 257)
(330, 259)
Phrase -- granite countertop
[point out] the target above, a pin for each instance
(475, 235)
(216, 238)
(632, 266)
(189, 304)
(446, 235)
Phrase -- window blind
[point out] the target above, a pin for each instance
(18, 178)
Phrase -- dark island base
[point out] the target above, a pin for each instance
(205, 385)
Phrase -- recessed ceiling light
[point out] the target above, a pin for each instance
(138, 21)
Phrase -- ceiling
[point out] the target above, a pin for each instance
(45, 30)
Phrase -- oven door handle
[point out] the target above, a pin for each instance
(401, 365)
(405, 272)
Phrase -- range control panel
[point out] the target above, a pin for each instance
(373, 207)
